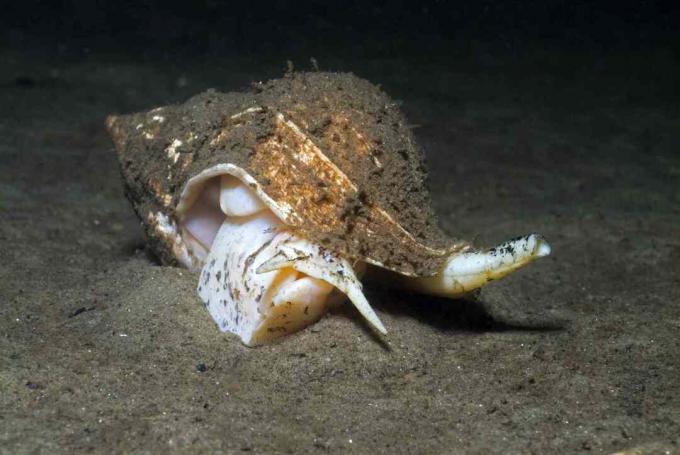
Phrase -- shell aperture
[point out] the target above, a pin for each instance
(260, 281)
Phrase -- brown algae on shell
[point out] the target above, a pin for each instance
(329, 160)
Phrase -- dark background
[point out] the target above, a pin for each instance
(349, 28)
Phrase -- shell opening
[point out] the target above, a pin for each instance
(231, 232)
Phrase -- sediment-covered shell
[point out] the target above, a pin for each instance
(281, 195)
(330, 154)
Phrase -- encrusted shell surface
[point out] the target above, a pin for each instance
(330, 151)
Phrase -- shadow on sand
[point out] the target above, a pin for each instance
(446, 315)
